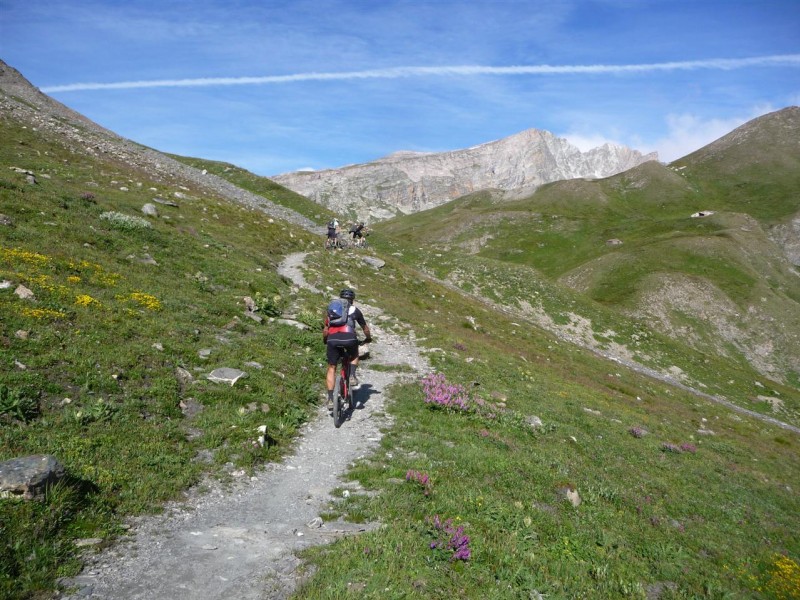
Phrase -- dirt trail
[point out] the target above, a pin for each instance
(239, 541)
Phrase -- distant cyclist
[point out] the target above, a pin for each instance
(357, 230)
(333, 228)
(341, 340)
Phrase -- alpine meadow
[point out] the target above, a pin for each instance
(613, 404)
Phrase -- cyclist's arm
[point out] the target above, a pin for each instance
(325, 331)
(363, 323)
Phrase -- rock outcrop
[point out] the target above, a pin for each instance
(407, 182)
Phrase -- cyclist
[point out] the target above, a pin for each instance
(358, 231)
(333, 228)
(342, 341)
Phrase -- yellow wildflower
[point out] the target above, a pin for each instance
(86, 300)
(149, 301)
(41, 313)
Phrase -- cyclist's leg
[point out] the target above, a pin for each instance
(333, 358)
(353, 354)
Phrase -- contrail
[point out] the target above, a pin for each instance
(722, 64)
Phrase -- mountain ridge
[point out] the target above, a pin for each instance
(405, 182)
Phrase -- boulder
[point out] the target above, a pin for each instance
(27, 477)
(150, 210)
(372, 261)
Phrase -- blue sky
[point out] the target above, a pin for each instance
(282, 85)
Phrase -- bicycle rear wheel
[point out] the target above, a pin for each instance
(351, 395)
(338, 402)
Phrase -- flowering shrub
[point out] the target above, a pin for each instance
(31, 258)
(86, 300)
(422, 479)
(449, 539)
(149, 301)
(125, 222)
(637, 432)
(784, 578)
(440, 392)
(686, 447)
(41, 313)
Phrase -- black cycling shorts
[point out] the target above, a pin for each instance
(338, 348)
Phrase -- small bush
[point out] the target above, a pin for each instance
(17, 405)
(125, 222)
(99, 410)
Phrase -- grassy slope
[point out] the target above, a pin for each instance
(710, 521)
(561, 232)
(100, 394)
(261, 186)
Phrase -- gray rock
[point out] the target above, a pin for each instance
(27, 477)
(150, 210)
(226, 375)
(293, 323)
(190, 408)
(165, 202)
(24, 293)
(375, 262)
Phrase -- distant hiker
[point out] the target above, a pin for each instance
(339, 334)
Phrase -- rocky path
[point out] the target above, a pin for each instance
(239, 542)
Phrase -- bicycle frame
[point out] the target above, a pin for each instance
(342, 390)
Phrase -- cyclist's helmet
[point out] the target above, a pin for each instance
(347, 294)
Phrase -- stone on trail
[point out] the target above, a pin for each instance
(27, 477)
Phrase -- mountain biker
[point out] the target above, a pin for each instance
(342, 341)
(357, 231)
(333, 227)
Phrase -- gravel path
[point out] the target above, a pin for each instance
(239, 542)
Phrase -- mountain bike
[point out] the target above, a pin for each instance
(337, 242)
(343, 389)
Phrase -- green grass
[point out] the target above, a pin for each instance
(262, 186)
(710, 521)
(89, 367)
(559, 236)
(105, 338)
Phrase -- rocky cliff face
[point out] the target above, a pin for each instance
(408, 182)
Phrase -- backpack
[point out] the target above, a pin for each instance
(338, 312)
(332, 225)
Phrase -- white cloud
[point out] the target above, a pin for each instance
(687, 132)
(725, 64)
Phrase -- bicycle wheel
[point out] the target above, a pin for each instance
(338, 402)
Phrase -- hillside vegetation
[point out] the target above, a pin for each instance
(702, 251)
(527, 467)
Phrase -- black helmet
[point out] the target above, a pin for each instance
(347, 294)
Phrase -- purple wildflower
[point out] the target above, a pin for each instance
(691, 448)
(422, 479)
(440, 392)
(637, 432)
(454, 540)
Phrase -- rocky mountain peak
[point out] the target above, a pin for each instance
(407, 182)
